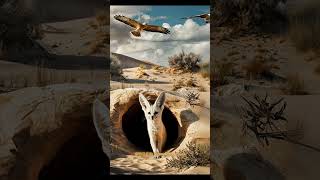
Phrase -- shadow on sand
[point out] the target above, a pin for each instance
(67, 62)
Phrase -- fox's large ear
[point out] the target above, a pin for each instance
(160, 100)
(143, 102)
(101, 121)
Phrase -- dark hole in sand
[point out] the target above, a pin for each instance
(81, 157)
(134, 126)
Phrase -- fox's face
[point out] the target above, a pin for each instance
(153, 111)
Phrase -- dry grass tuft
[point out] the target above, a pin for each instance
(193, 155)
(295, 85)
(102, 18)
(257, 69)
(205, 70)
(141, 71)
(222, 69)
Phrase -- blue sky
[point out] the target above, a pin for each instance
(175, 13)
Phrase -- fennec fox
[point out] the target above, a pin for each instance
(156, 129)
(102, 124)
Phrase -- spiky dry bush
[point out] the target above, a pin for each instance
(246, 14)
(265, 119)
(205, 70)
(186, 62)
(115, 69)
(192, 97)
(305, 25)
(193, 155)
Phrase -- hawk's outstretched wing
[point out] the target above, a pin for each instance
(153, 28)
(127, 21)
(200, 16)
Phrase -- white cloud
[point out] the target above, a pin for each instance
(157, 47)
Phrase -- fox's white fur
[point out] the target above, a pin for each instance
(101, 122)
(156, 129)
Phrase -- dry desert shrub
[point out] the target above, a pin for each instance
(193, 155)
(156, 68)
(191, 82)
(99, 44)
(205, 70)
(102, 17)
(115, 69)
(295, 85)
(186, 62)
(141, 71)
(192, 97)
(222, 69)
(180, 83)
(305, 25)
(257, 69)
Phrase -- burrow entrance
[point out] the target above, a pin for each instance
(81, 157)
(134, 126)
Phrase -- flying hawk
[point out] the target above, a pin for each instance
(206, 17)
(140, 27)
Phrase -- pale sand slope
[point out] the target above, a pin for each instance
(159, 79)
(73, 38)
(72, 63)
(294, 161)
(285, 56)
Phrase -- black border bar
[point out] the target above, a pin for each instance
(160, 2)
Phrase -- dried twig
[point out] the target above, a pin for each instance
(264, 119)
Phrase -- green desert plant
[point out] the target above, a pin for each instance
(193, 155)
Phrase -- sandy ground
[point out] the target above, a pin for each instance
(293, 161)
(158, 79)
(284, 56)
(71, 63)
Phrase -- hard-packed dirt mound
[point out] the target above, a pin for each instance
(48, 133)
(128, 125)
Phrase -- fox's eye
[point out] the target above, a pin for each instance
(155, 113)
(149, 113)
